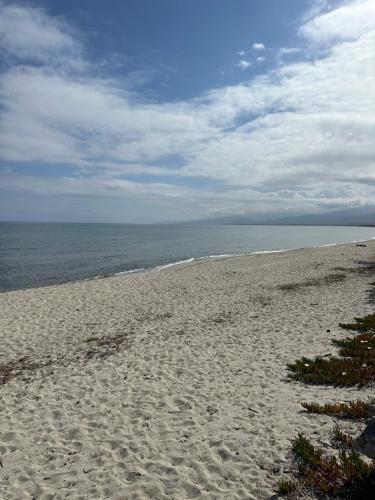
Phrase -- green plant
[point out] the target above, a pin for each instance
(334, 371)
(286, 487)
(305, 450)
(328, 475)
(361, 346)
(365, 324)
(342, 438)
(354, 409)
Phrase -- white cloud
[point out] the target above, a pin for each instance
(29, 34)
(300, 136)
(321, 126)
(258, 46)
(347, 22)
(244, 64)
(241, 53)
(316, 8)
(261, 59)
(285, 51)
(90, 118)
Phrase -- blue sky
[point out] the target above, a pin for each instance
(184, 48)
(147, 111)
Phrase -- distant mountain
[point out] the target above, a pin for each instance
(358, 216)
(233, 219)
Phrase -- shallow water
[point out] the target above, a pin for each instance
(37, 254)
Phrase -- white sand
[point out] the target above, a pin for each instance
(195, 402)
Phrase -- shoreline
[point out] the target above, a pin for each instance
(174, 384)
(188, 261)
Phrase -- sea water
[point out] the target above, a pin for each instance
(38, 254)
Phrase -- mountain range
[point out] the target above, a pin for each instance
(357, 216)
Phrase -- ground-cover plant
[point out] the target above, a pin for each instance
(333, 371)
(347, 476)
(353, 410)
(365, 324)
(342, 438)
(362, 346)
(286, 487)
(356, 366)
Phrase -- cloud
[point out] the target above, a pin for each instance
(183, 201)
(299, 136)
(88, 118)
(347, 22)
(285, 51)
(30, 35)
(316, 8)
(261, 59)
(258, 46)
(241, 53)
(244, 64)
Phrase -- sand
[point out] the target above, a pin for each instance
(187, 396)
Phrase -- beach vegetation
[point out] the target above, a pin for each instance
(333, 371)
(354, 410)
(355, 366)
(345, 476)
(362, 346)
(342, 438)
(287, 486)
(362, 325)
(305, 451)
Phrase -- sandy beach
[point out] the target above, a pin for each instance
(172, 384)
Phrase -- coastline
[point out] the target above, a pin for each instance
(197, 260)
(185, 262)
(189, 397)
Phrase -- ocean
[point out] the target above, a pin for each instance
(39, 254)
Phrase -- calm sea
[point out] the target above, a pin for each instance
(37, 254)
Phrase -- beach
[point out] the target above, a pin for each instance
(172, 384)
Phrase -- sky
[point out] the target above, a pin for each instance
(169, 110)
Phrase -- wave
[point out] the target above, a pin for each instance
(191, 260)
(131, 271)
